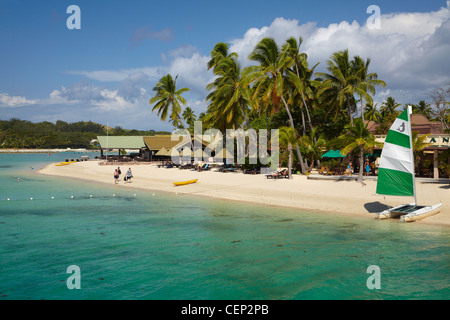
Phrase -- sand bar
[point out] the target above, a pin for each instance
(337, 197)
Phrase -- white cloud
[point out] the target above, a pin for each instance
(185, 61)
(126, 97)
(186, 50)
(15, 101)
(410, 51)
(192, 72)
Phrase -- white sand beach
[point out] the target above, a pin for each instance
(332, 196)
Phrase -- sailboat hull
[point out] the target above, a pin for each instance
(409, 212)
(419, 214)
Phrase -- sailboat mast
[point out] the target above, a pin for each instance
(412, 153)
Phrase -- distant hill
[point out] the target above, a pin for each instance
(16, 133)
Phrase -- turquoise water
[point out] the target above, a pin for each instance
(136, 245)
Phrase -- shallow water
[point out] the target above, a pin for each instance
(132, 244)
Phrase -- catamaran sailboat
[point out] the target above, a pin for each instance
(396, 172)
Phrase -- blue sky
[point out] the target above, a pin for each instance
(105, 71)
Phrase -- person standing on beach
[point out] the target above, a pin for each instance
(118, 171)
(129, 175)
(367, 165)
(116, 176)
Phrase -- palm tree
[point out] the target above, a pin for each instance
(367, 81)
(300, 75)
(220, 51)
(168, 100)
(230, 90)
(189, 117)
(234, 85)
(290, 140)
(388, 108)
(269, 79)
(372, 112)
(313, 145)
(341, 81)
(424, 109)
(358, 137)
(269, 74)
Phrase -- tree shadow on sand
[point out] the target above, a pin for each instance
(374, 207)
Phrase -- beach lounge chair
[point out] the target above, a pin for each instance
(228, 168)
(276, 175)
(205, 167)
(253, 171)
(284, 174)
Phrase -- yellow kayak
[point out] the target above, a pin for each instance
(63, 164)
(182, 183)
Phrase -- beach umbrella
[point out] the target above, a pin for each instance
(333, 154)
(376, 153)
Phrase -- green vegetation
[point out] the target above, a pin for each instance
(23, 134)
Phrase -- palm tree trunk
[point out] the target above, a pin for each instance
(361, 164)
(362, 110)
(245, 116)
(291, 121)
(185, 128)
(300, 158)
(307, 112)
(349, 111)
(303, 122)
(290, 162)
(304, 102)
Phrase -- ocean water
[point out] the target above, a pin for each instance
(133, 244)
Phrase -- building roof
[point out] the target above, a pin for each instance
(163, 141)
(422, 125)
(121, 142)
(419, 122)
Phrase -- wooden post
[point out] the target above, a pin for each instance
(436, 165)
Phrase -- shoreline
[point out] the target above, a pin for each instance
(341, 197)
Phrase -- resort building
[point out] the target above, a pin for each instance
(134, 146)
(151, 148)
(437, 141)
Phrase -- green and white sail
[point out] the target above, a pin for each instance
(396, 171)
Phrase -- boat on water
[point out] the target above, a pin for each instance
(396, 172)
(182, 183)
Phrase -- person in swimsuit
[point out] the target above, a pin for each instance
(116, 176)
(129, 175)
(367, 168)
